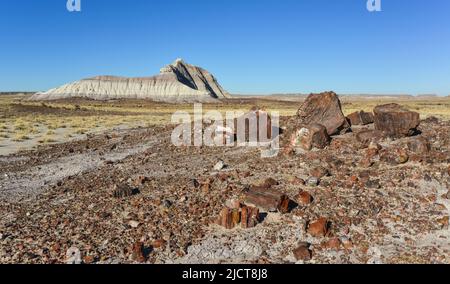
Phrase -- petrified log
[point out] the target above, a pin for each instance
(123, 190)
(312, 136)
(360, 118)
(247, 216)
(396, 121)
(269, 199)
(419, 145)
(368, 136)
(325, 109)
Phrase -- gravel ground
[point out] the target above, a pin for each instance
(58, 203)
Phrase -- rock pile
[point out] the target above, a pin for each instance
(320, 118)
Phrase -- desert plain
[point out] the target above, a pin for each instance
(85, 181)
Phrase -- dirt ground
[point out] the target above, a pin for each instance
(59, 200)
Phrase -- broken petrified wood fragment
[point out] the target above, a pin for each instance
(138, 252)
(419, 145)
(140, 180)
(304, 198)
(302, 252)
(247, 216)
(369, 136)
(309, 137)
(267, 199)
(396, 121)
(318, 228)
(326, 110)
(360, 118)
(123, 190)
(225, 218)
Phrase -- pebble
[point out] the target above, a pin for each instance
(332, 244)
(312, 181)
(318, 228)
(219, 166)
(133, 224)
(304, 198)
(319, 172)
(302, 252)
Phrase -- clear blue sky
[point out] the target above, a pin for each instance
(252, 46)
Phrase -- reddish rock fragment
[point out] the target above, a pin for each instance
(302, 252)
(123, 190)
(267, 199)
(88, 259)
(419, 145)
(309, 137)
(235, 217)
(225, 218)
(318, 228)
(249, 217)
(304, 198)
(347, 243)
(257, 126)
(360, 118)
(332, 244)
(138, 253)
(324, 109)
(158, 243)
(319, 172)
(369, 136)
(396, 121)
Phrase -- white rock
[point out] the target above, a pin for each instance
(219, 166)
(177, 82)
(133, 224)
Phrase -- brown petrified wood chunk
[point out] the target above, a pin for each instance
(309, 137)
(302, 252)
(247, 216)
(318, 228)
(325, 109)
(366, 137)
(396, 121)
(267, 199)
(360, 118)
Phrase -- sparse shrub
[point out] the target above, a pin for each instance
(47, 140)
(20, 137)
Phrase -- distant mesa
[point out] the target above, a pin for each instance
(176, 82)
